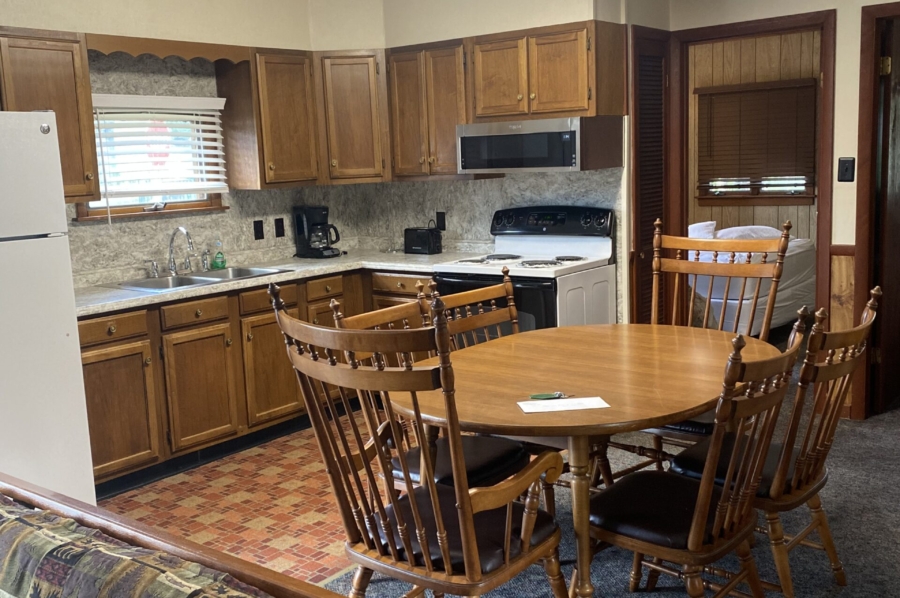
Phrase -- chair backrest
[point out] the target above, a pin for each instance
(714, 269)
(746, 414)
(357, 446)
(831, 360)
(474, 317)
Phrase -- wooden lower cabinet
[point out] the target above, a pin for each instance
(320, 313)
(200, 385)
(269, 379)
(383, 301)
(122, 407)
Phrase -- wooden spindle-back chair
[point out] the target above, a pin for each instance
(488, 460)
(447, 539)
(825, 380)
(693, 523)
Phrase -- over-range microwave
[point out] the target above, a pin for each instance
(546, 145)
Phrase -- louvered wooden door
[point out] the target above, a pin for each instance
(649, 167)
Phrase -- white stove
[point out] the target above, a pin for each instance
(560, 259)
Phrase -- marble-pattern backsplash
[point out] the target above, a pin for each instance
(369, 216)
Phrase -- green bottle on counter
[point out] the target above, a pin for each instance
(218, 262)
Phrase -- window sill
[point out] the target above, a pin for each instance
(102, 216)
(757, 201)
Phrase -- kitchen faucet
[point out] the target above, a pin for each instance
(173, 268)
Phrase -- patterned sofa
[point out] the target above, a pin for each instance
(55, 547)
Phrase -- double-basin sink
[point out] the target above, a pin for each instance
(174, 283)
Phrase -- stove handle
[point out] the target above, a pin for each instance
(533, 285)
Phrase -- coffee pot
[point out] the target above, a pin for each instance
(315, 237)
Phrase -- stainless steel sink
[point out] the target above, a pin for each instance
(159, 285)
(233, 273)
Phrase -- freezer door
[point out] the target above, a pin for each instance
(31, 187)
(44, 435)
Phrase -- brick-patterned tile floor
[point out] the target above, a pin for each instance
(270, 504)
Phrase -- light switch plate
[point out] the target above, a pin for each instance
(846, 170)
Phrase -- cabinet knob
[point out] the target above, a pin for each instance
(532, 96)
(148, 361)
(642, 255)
(315, 320)
(111, 329)
(519, 97)
(228, 342)
(399, 285)
(198, 313)
(327, 288)
(249, 337)
(334, 162)
(431, 160)
(422, 160)
(89, 176)
(271, 165)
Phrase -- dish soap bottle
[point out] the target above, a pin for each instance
(218, 262)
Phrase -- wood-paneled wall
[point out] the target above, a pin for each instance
(749, 60)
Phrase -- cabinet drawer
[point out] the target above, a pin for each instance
(256, 301)
(397, 284)
(324, 287)
(194, 312)
(112, 328)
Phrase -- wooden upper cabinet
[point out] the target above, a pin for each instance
(558, 74)
(52, 75)
(353, 116)
(408, 112)
(445, 98)
(501, 77)
(287, 117)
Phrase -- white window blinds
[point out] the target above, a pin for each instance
(157, 149)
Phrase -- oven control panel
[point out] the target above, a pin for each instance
(554, 220)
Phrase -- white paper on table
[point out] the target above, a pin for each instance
(547, 406)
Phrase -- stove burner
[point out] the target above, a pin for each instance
(472, 260)
(497, 257)
(569, 258)
(540, 263)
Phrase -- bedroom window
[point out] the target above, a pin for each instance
(156, 154)
(757, 143)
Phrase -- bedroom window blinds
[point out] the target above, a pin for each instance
(757, 139)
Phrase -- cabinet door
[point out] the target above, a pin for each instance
(501, 78)
(408, 111)
(52, 75)
(272, 389)
(200, 385)
(558, 72)
(121, 406)
(287, 117)
(351, 111)
(320, 313)
(445, 96)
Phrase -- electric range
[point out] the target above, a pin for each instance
(561, 260)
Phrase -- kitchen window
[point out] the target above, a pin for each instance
(757, 143)
(157, 154)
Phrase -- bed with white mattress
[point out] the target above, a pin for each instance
(796, 289)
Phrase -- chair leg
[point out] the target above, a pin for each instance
(658, 447)
(693, 582)
(549, 498)
(749, 565)
(637, 572)
(818, 513)
(780, 554)
(603, 462)
(554, 575)
(360, 582)
(653, 575)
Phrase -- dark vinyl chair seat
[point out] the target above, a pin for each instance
(489, 525)
(690, 463)
(702, 425)
(488, 461)
(651, 506)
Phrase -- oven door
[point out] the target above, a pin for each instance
(535, 297)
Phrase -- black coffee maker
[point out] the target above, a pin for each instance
(313, 233)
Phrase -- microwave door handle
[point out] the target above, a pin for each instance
(337, 235)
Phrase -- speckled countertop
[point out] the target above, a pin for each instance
(91, 301)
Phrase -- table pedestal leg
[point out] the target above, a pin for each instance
(579, 461)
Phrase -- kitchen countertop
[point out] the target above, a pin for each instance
(96, 300)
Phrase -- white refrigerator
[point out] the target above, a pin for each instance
(44, 435)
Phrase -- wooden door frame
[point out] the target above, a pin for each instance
(863, 276)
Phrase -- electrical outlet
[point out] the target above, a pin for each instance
(258, 232)
(441, 220)
(279, 227)
(846, 170)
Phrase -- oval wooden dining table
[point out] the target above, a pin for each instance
(649, 375)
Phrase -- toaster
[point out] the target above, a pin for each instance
(422, 240)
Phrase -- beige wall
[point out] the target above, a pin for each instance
(273, 23)
(346, 24)
(685, 14)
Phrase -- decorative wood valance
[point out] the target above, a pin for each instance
(166, 47)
